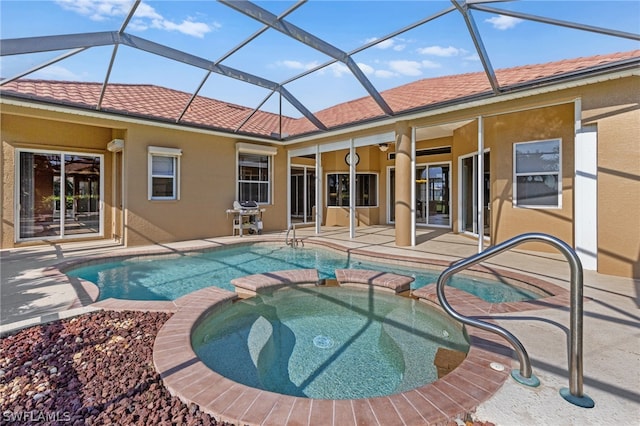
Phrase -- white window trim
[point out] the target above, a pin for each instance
(249, 148)
(558, 172)
(158, 151)
(326, 180)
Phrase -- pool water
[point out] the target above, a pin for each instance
(326, 342)
(170, 277)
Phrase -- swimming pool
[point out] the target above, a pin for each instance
(327, 342)
(172, 276)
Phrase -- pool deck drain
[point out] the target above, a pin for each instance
(186, 377)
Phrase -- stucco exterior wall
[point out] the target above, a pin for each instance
(207, 181)
(207, 177)
(501, 133)
(614, 108)
(43, 134)
(208, 169)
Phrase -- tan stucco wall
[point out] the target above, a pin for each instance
(207, 176)
(207, 188)
(207, 179)
(614, 108)
(501, 133)
(32, 133)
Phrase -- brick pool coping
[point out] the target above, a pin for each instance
(456, 394)
(185, 376)
(554, 296)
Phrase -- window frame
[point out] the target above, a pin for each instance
(557, 173)
(175, 154)
(261, 150)
(18, 234)
(347, 176)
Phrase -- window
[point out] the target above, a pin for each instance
(537, 174)
(338, 190)
(164, 166)
(254, 171)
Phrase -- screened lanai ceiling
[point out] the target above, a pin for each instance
(277, 63)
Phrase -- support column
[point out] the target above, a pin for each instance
(403, 191)
(319, 189)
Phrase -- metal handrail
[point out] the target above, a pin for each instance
(286, 238)
(574, 394)
(294, 241)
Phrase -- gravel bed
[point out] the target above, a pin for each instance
(93, 369)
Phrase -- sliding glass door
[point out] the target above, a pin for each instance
(303, 194)
(433, 202)
(469, 194)
(59, 194)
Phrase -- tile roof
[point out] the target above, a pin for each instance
(160, 103)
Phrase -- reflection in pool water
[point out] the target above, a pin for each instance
(326, 342)
(169, 277)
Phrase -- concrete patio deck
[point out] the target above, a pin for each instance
(611, 318)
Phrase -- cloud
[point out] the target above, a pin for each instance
(97, 10)
(196, 29)
(371, 71)
(367, 69)
(145, 17)
(339, 69)
(391, 43)
(56, 72)
(502, 22)
(411, 68)
(429, 64)
(297, 65)
(444, 52)
(384, 74)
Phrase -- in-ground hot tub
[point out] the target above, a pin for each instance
(327, 342)
(186, 375)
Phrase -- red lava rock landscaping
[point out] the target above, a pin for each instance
(92, 369)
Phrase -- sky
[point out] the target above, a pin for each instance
(211, 30)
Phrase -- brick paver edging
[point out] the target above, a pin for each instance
(186, 377)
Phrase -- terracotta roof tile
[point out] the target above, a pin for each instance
(165, 104)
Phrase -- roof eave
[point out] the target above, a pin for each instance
(544, 85)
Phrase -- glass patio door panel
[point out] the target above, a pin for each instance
(469, 201)
(438, 195)
(311, 195)
(469, 194)
(297, 193)
(392, 195)
(433, 203)
(303, 194)
(82, 194)
(422, 196)
(49, 209)
(39, 188)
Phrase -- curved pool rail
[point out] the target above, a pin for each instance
(185, 376)
(524, 375)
